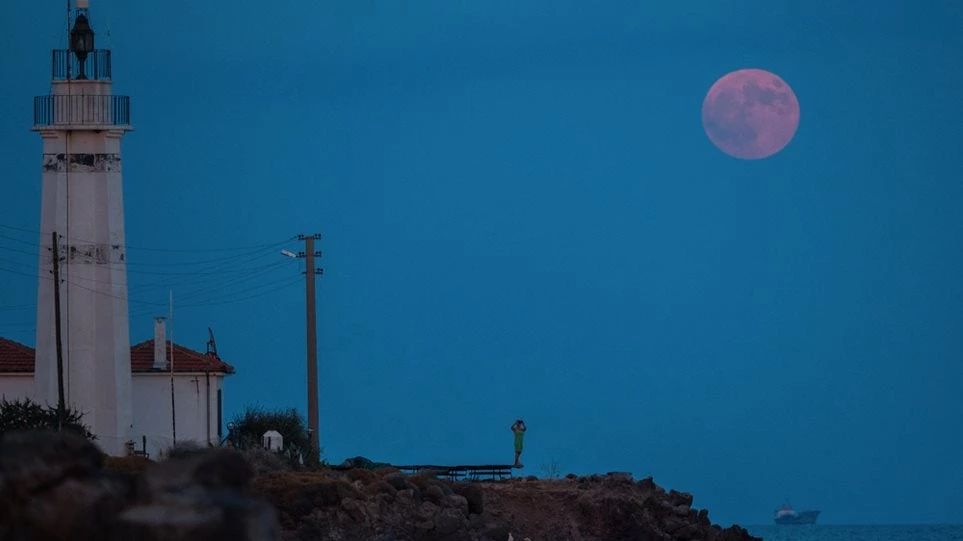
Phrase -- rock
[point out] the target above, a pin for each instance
(427, 511)
(474, 495)
(198, 494)
(435, 494)
(384, 488)
(458, 502)
(445, 487)
(677, 498)
(495, 532)
(355, 510)
(216, 468)
(620, 476)
(646, 484)
(688, 531)
(363, 463)
(32, 460)
(423, 526)
(397, 480)
(449, 521)
(681, 511)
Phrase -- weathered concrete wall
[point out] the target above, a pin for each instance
(196, 409)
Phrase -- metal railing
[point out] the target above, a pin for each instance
(64, 110)
(96, 67)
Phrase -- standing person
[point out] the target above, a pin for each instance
(519, 429)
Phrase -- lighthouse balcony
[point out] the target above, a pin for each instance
(67, 67)
(92, 112)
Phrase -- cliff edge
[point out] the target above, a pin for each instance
(386, 505)
(60, 486)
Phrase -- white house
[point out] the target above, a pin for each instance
(198, 390)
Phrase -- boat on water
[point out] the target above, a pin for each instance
(787, 515)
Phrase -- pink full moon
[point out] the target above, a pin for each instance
(750, 114)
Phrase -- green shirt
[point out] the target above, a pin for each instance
(519, 436)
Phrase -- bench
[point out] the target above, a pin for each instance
(456, 473)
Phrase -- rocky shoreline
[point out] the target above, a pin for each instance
(55, 486)
(387, 505)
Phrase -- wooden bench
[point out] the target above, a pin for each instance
(491, 471)
(456, 473)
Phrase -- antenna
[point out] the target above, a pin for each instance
(211, 344)
(68, 42)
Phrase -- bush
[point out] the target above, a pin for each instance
(251, 425)
(182, 449)
(263, 461)
(25, 414)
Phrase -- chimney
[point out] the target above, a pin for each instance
(160, 343)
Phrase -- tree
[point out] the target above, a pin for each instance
(25, 414)
(249, 427)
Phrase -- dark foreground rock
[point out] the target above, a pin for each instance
(388, 506)
(58, 486)
(54, 486)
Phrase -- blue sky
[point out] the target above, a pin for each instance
(524, 217)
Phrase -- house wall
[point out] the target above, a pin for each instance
(16, 386)
(152, 407)
(195, 410)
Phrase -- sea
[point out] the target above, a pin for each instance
(830, 532)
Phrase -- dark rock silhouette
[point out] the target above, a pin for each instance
(346, 505)
(54, 486)
(59, 486)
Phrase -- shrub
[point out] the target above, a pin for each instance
(263, 461)
(25, 414)
(251, 425)
(182, 449)
(552, 470)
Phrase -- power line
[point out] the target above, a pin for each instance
(200, 297)
(165, 250)
(199, 281)
(222, 259)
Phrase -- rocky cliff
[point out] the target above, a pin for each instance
(386, 505)
(56, 486)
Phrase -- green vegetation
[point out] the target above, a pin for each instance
(25, 414)
(250, 426)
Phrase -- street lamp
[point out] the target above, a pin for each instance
(312, 337)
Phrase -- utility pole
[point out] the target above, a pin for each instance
(61, 407)
(309, 254)
(171, 363)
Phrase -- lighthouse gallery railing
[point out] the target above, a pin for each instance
(65, 110)
(66, 65)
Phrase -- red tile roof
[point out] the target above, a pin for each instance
(16, 357)
(185, 360)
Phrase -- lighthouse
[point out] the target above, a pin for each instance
(81, 123)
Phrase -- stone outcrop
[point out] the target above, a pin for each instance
(387, 505)
(54, 486)
(57, 486)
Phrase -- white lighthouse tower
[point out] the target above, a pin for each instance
(82, 122)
